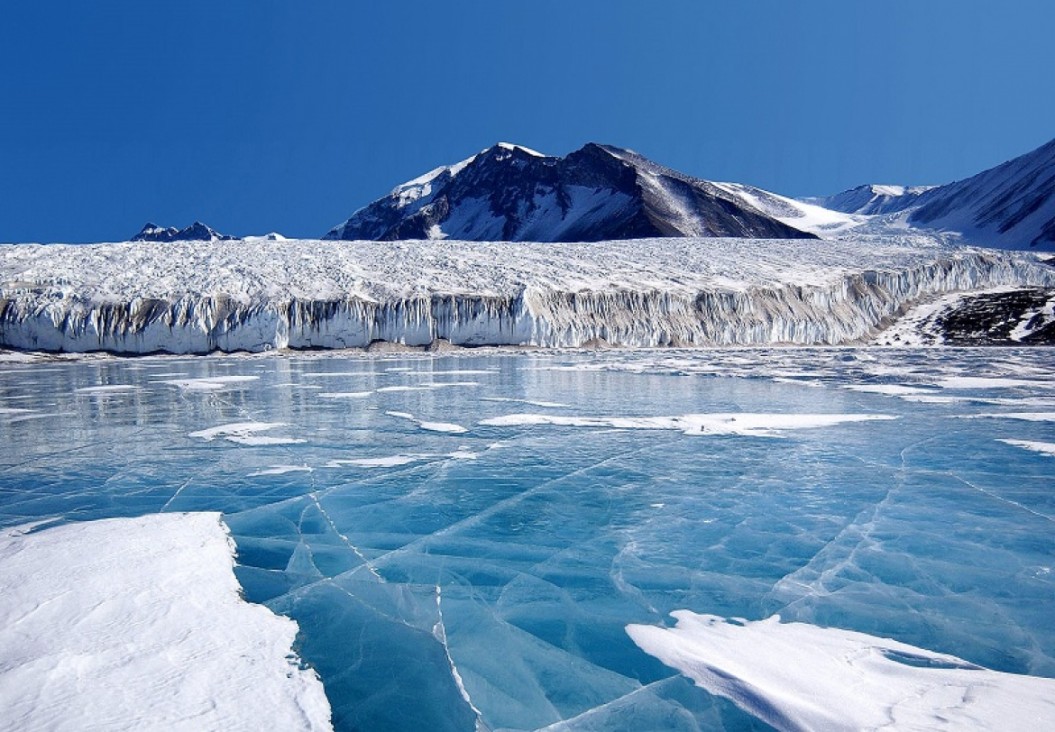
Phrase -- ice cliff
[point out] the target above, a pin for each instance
(256, 295)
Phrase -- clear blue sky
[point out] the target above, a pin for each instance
(259, 115)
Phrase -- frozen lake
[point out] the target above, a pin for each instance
(464, 539)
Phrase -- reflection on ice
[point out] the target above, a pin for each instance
(603, 504)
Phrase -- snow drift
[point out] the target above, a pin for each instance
(256, 295)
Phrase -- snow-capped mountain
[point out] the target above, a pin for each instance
(1011, 206)
(871, 199)
(195, 232)
(511, 193)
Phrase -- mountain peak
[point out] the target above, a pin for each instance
(195, 232)
(508, 192)
(519, 148)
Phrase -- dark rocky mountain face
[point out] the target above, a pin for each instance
(195, 232)
(510, 193)
(990, 319)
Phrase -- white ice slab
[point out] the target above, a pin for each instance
(796, 676)
(133, 624)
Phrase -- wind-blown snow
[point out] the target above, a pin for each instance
(132, 624)
(796, 676)
(198, 297)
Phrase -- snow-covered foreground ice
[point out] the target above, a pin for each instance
(136, 623)
(469, 557)
(257, 295)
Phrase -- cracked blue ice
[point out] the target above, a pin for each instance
(449, 579)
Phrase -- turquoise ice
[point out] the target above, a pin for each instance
(464, 539)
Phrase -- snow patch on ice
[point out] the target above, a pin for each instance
(281, 470)
(1047, 448)
(244, 433)
(138, 624)
(430, 426)
(740, 423)
(107, 389)
(530, 402)
(888, 389)
(390, 461)
(796, 676)
(1024, 416)
(211, 383)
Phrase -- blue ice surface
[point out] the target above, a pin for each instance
(511, 558)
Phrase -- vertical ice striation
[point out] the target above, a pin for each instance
(202, 298)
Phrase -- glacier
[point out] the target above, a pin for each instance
(257, 295)
(463, 539)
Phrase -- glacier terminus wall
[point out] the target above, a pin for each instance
(257, 295)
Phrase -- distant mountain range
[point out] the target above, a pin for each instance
(195, 232)
(512, 193)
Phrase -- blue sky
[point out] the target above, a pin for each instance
(260, 115)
